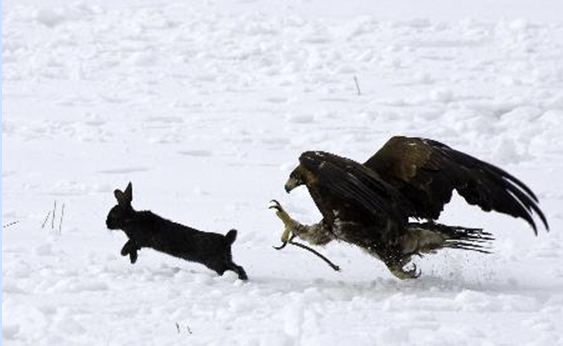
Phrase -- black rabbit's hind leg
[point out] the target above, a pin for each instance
(220, 267)
(216, 266)
(237, 269)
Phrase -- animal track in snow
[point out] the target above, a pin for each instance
(124, 170)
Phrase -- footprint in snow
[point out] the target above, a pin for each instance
(196, 153)
(277, 99)
(123, 170)
(165, 119)
(300, 118)
(333, 99)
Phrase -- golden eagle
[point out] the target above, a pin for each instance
(369, 204)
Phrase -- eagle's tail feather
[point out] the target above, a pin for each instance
(474, 239)
(429, 237)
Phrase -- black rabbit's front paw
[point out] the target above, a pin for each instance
(133, 256)
(130, 248)
(124, 251)
(127, 248)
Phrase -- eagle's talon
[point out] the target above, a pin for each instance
(400, 272)
(414, 272)
(276, 205)
(288, 222)
(282, 214)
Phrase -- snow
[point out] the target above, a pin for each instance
(206, 107)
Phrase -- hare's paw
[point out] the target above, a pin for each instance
(129, 248)
(126, 249)
(133, 256)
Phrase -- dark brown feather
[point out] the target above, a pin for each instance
(347, 187)
(426, 172)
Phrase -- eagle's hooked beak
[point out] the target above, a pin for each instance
(291, 184)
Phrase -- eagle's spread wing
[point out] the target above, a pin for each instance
(345, 185)
(426, 172)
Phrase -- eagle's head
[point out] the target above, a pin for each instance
(296, 178)
(310, 162)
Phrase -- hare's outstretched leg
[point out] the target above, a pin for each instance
(130, 248)
(237, 269)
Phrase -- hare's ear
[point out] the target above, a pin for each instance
(129, 192)
(124, 198)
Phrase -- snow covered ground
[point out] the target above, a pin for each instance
(206, 107)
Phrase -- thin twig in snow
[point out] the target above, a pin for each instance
(46, 218)
(62, 216)
(54, 212)
(357, 85)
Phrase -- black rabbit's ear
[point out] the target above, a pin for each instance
(120, 196)
(129, 192)
(124, 198)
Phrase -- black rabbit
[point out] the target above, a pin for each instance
(145, 229)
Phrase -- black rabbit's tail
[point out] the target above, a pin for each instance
(231, 236)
